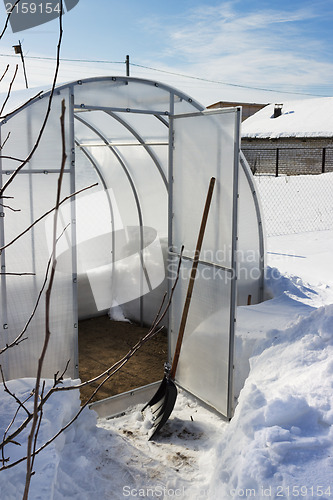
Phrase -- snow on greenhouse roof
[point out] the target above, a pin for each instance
(302, 118)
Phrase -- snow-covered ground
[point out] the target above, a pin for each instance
(279, 443)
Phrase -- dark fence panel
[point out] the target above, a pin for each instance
(289, 160)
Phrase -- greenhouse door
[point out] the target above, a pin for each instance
(205, 145)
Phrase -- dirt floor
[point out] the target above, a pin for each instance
(102, 342)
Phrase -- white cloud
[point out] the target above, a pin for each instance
(247, 50)
(261, 48)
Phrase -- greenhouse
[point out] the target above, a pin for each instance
(135, 159)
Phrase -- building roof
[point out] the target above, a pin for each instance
(302, 118)
(224, 104)
(248, 108)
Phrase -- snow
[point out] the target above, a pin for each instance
(279, 444)
(301, 118)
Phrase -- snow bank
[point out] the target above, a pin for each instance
(281, 434)
(73, 466)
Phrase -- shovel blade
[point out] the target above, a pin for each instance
(162, 404)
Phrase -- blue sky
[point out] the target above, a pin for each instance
(256, 51)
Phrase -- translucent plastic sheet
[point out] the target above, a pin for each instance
(122, 93)
(204, 363)
(23, 295)
(131, 94)
(24, 129)
(205, 146)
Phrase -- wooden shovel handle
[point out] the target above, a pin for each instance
(192, 279)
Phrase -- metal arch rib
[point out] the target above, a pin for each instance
(246, 170)
(163, 120)
(115, 80)
(136, 197)
(141, 141)
(95, 166)
(121, 162)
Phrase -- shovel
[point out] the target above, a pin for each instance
(163, 402)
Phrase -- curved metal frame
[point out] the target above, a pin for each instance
(137, 202)
(142, 142)
(116, 79)
(247, 171)
(100, 176)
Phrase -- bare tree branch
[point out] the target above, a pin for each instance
(4, 73)
(8, 17)
(4, 157)
(21, 405)
(19, 338)
(37, 412)
(46, 214)
(35, 439)
(17, 274)
(4, 117)
(4, 142)
(59, 379)
(10, 208)
(43, 126)
(9, 89)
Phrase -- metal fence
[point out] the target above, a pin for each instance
(289, 159)
(296, 203)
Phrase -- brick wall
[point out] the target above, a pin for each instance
(289, 156)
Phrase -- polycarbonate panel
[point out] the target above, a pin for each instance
(36, 194)
(101, 123)
(150, 186)
(115, 174)
(132, 93)
(120, 93)
(127, 128)
(204, 147)
(203, 367)
(85, 172)
(24, 129)
(150, 128)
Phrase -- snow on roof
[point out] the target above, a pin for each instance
(303, 118)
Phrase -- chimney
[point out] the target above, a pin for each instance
(277, 110)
